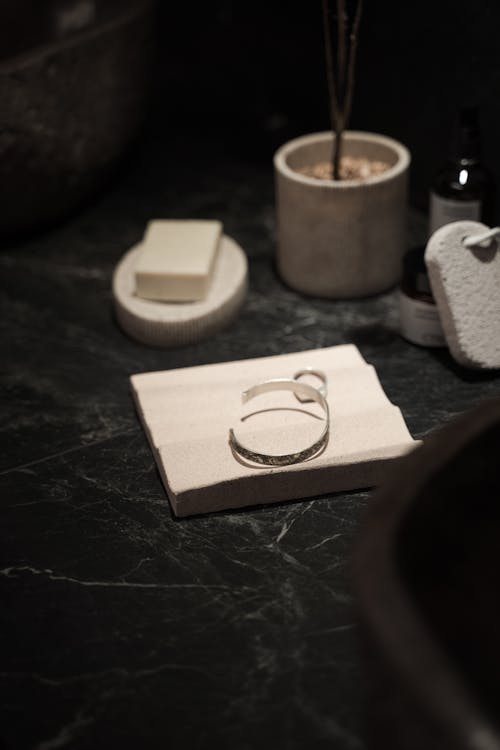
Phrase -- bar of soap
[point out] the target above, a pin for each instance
(177, 260)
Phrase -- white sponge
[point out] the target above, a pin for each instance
(466, 286)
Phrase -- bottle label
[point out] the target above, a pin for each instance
(420, 322)
(445, 210)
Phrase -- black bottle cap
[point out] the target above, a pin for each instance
(415, 271)
(466, 143)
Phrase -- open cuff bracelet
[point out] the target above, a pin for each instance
(304, 392)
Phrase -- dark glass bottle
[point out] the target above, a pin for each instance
(463, 188)
(418, 312)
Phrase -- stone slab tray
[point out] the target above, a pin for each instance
(187, 413)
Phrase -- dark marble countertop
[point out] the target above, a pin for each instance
(122, 626)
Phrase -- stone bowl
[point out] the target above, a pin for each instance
(73, 83)
(426, 576)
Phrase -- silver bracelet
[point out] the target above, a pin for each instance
(317, 374)
(306, 393)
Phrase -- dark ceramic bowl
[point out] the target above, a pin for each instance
(73, 82)
(427, 579)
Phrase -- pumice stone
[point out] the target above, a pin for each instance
(465, 283)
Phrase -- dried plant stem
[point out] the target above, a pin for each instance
(352, 61)
(330, 71)
(340, 73)
(341, 65)
(337, 152)
(341, 45)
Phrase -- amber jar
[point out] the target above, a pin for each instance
(419, 315)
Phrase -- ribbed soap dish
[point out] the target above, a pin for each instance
(171, 324)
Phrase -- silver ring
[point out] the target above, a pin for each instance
(308, 393)
(318, 374)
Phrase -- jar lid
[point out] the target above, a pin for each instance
(415, 271)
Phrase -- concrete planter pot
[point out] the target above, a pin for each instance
(341, 239)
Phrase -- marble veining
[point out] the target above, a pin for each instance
(122, 626)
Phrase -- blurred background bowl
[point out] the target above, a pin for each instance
(73, 87)
(426, 574)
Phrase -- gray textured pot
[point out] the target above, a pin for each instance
(344, 238)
